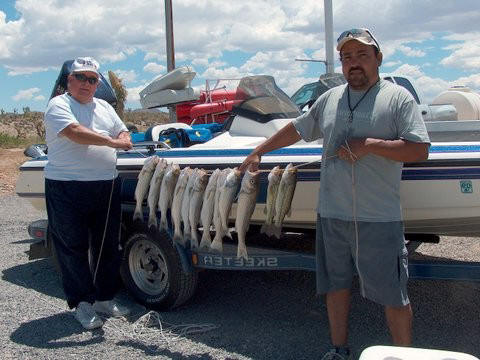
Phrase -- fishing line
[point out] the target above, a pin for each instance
(149, 329)
(106, 219)
(353, 157)
(108, 214)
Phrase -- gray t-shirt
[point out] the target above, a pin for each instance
(68, 160)
(387, 112)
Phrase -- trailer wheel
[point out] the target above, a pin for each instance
(152, 272)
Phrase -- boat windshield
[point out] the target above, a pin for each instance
(260, 99)
(307, 94)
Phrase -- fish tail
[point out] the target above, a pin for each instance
(266, 229)
(206, 241)
(178, 238)
(194, 240)
(137, 214)
(276, 230)
(152, 220)
(217, 243)
(242, 251)
(163, 223)
(187, 235)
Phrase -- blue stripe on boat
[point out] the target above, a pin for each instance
(292, 151)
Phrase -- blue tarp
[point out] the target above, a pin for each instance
(176, 138)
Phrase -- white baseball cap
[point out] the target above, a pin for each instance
(85, 64)
(362, 35)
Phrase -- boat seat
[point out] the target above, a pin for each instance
(153, 132)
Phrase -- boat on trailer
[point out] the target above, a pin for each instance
(439, 196)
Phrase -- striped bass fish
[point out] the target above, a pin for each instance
(245, 206)
(154, 191)
(166, 193)
(208, 207)
(274, 178)
(227, 196)
(196, 201)
(283, 202)
(187, 234)
(217, 243)
(143, 184)
(177, 204)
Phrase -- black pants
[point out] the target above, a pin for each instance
(77, 213)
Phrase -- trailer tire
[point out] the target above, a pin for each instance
(152, 272)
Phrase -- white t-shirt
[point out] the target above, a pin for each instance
(387, 112)
(68, 160)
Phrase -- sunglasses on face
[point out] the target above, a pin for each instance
(83, 78)
(356, 33)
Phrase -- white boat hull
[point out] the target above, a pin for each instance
(442, 200)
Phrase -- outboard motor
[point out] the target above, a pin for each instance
(104, 90)
(36, 150)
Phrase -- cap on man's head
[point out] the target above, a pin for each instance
(362, 35)
(84, 64)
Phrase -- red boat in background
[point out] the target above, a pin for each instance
(212, 106)
(192, 106)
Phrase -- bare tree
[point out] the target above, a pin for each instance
(120, 92)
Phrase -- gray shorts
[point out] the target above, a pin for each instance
(382, 263)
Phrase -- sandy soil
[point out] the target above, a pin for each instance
(10, 161)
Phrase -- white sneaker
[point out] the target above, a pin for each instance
(110, 307)
(86, 316)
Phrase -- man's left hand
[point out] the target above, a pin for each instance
(353, 150)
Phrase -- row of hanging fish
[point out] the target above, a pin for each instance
(196, 198)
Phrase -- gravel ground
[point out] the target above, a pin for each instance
(258, 315)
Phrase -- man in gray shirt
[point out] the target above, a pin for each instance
(369, 128)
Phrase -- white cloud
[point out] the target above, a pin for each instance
(391, 63)
(133, 94)
(267, 34)
(430, 87)
(408, 51)
(409, 70)
(26, 94)
(465, 54)
(472, 81)
(155, 68)
(231, 72)
(126, 75)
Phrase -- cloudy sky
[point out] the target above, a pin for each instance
(437, 43)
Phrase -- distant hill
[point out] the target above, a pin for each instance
(30, 124)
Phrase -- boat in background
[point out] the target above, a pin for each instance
(439, 196)
(212, 105)
(465, 101)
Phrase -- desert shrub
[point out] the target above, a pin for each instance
(8, 142)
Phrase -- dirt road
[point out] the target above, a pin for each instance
(11, 159)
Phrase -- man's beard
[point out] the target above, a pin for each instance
(358, 80)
